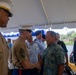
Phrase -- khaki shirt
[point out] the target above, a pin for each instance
(19, 52)
(4, 51)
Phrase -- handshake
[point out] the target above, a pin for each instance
(38, 65)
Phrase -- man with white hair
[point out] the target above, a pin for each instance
(4, 50)
(62, 44)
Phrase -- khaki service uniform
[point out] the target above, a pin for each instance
(19, 53)
(4, 53)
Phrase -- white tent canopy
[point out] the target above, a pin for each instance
(42, 14)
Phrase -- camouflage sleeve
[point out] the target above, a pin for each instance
(21, 55)
(60, 56)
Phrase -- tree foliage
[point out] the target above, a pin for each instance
(68, 39)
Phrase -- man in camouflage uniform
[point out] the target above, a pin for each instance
(20, 55)
(4, 50)
(53, 57)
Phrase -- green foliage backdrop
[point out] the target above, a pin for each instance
(68, 39)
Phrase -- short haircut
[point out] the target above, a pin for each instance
(52, 33)
(9, 39)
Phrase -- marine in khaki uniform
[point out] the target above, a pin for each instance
(20, 55)
(4, 50)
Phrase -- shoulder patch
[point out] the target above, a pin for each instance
(22, 53)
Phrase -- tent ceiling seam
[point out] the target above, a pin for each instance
(44, 11)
